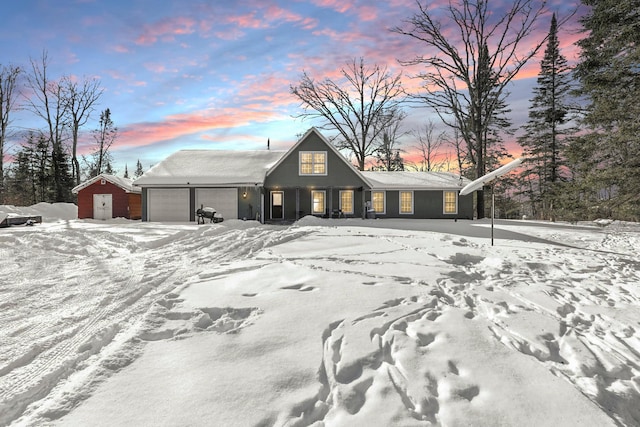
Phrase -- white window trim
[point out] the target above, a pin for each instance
(400, 202)
(351, 212)
(324, 199)
(444, 202)
(312, 174)
(384, 201)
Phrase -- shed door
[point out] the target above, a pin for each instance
(223, 200)
(102, 206)
(168, 204)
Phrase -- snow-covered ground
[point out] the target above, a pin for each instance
(326, 322)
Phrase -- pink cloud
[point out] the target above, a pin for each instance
(367, 13)
(364, 12)
(275, 13)
(266, 91)
(342, 36)
(231, 34)
(338, 5)
(157, 68)
(181, 125)
(166, 30)
(127, 78)
(248, 20)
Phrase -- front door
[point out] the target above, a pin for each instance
(102, 206)
(277, 205)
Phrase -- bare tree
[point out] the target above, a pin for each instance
(356, 105)
(47, 102)
(8, 97)
(429, 145)
(472, 54)
(80, 99)
(462, 158)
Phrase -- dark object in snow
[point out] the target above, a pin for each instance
(208, 213)
(9, 220)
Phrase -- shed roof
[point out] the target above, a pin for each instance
(211, 168)
(398, 180)
(125, 183)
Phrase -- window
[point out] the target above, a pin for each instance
(377, 201)
(406, 202)
(317, 202)
(313, 163)
(450, 202)
(346, 201)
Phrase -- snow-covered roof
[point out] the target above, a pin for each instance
(414, 180)
(125, 183)
(211, 168)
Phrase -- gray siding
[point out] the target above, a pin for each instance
(426, 204)
(249, 202)
(297, 189)
(339, 172)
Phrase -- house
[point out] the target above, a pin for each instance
(311, 178)
(108, 196)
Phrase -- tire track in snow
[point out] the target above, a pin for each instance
(31, 376)
(30, 381)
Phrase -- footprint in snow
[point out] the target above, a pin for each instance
(299, 287)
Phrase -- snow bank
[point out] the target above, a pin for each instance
(48, 211)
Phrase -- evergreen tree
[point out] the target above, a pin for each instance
(138, 172)
(31, 180)
(22, 188)
(126, 171)
(108, 168)
(397, 163)
(545, 136)
(61, 169)
(607, 159)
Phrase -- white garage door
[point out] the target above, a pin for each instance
(223, 200)
(168, 204)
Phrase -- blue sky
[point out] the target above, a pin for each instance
(213, 74)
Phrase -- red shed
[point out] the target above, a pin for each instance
(108, 196)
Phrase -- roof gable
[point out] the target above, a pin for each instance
(125, 183)
(326, 142)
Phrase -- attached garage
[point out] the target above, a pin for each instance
(168, 204)
(108, 196)
(229, 181)
(223, 200)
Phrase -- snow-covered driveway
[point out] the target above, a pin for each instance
(123, 323)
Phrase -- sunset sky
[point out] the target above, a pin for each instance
(216, 74)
